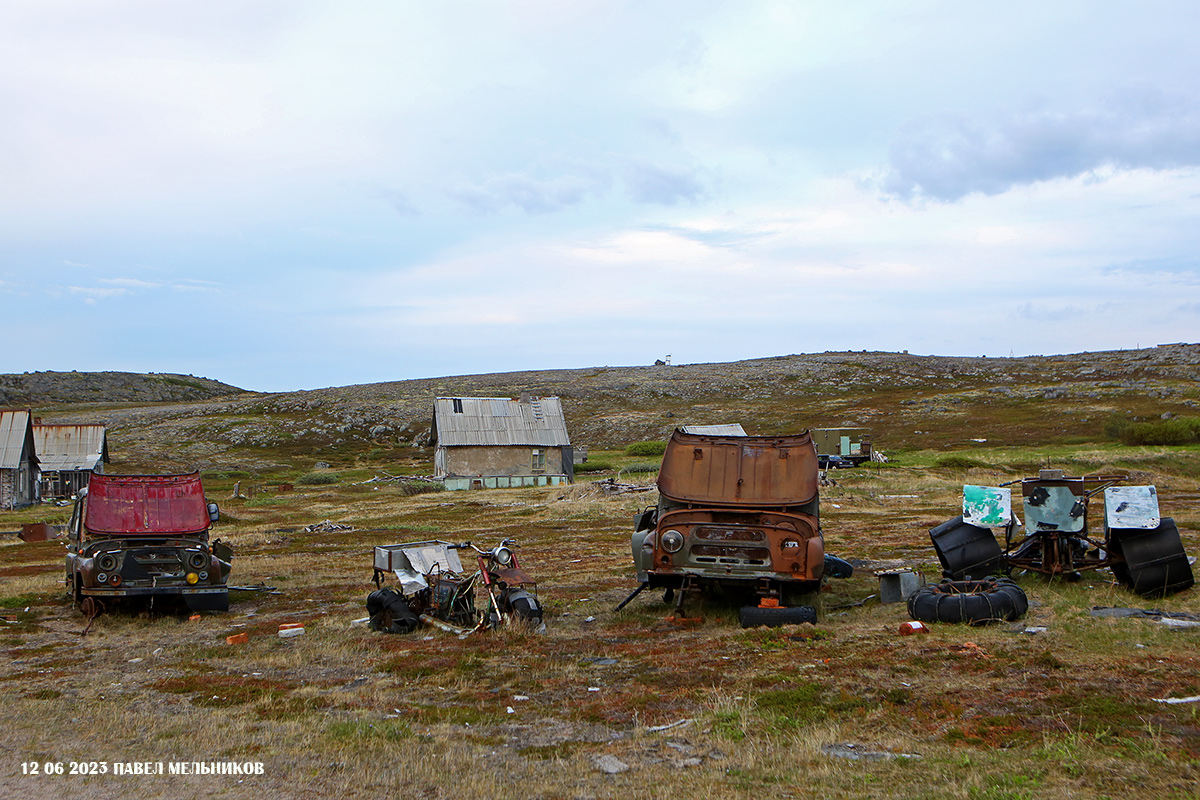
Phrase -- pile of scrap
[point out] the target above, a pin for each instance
(328, 526)
(610, 486)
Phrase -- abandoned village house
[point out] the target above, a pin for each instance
(496, 442)
(18, 459)
(68, 455)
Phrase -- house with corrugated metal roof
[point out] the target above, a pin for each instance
(68, 455)
(497, 442)
(18, 459)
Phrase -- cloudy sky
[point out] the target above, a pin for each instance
(283, 194)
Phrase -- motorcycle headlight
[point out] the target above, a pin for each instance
(672, 541)
(502, 556)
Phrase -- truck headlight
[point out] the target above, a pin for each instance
(672, 541)
(198, 560)
(107, 562)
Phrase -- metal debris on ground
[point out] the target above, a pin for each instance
(859, 753)
(1150, 613)
(385, 478)
(610, 486)
(328, 526)
(669, 726)
(1177, 700)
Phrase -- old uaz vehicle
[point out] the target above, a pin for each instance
(737, 515)
(146, 536)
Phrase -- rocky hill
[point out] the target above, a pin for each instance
(47, 388)
(909, 401)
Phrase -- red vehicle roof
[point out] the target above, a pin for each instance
(739, 471)
(145, 505)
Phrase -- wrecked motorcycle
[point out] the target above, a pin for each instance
(435, 588)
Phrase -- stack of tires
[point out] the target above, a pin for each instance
(390, 612)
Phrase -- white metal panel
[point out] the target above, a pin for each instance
(1132, 507)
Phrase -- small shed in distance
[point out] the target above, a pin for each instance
(68, 455)
(18, 459)
(497, 442)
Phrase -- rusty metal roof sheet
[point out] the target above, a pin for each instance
(731, 429)
(70, 447)
(745, 471)
(145, 504)
(14, 437)
(499, 421)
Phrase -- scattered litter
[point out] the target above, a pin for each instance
(909, 628)
(288, 633)
(360, 621)
(669, 726)
(1034, 630)
(520, 697)
(593, 688)
(1174, 701)
(157, 652)
(600, 661)
(285, 626)
(510, 710)
(1171, 622)
(610, 765)
(589, 619)
(575, 561)
(134, 661)
(237, 638)
(898, 496)
(857, 753)
(1151, 613)
(194, 618)
(328, 526)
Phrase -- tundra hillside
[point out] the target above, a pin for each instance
(1064, 703)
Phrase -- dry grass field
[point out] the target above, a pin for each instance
(604, 704)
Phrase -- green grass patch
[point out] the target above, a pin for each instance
(642, 449)
(318, 479)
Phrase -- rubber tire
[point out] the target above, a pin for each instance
(837, 567)
(207, 602)
(754, 616)
(522, 605)
(973, 602)
(1155, 563)
(390, 612)
(966, 551)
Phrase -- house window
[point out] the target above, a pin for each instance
(538, 461)
(457, 405)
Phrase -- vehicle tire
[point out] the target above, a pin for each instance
(1155, 562)
(207, 602)
(966, 551)
(522, 605)
(390, 612)
(973, 602)
(754, 616)
(837, 567)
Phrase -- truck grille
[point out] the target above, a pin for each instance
(724, 554)
(730, 534)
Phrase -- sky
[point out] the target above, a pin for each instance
(291, 195)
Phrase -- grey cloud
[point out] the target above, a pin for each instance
(664, 185)
(950, 156)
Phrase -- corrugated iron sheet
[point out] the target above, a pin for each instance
(146, 504)
(751, 471)
(14, 428)
(498, 421)
(70, 447)
(732, 429)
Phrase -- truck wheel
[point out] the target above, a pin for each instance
(973, 602)
(1155, 562)
(754, 616)
(390, 612)
(966, 551)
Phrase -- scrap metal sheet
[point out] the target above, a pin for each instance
(1131, 507)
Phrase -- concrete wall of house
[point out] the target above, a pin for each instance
(473, 460)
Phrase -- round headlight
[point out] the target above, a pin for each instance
(672, 541)
(107, 562)
(502, 556)
(198, 560)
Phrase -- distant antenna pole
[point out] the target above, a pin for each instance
(1011, 354)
